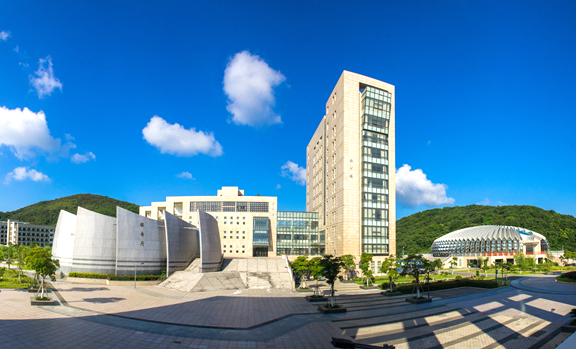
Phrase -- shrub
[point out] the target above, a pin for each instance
(114, 277)
(435, 286)
(458, 277)
(88, 275)
(569, 275)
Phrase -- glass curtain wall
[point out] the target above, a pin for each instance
(297, 234)
(376, 106)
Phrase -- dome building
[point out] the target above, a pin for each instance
(496, 242)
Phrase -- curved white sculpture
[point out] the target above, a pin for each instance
(90, 242)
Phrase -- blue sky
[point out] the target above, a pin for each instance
(485, 105)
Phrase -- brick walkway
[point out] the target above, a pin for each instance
(154, 317)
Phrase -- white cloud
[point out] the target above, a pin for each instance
(23, 130)
(80, 159)
(176, 140)
(249, 85)
(185, 175)
(278, 186)
(69, 137)
(45, 82)
(486, 201)
(414, 189)
(16, 49)
(4, 35)
(22, 173)
(294, 172)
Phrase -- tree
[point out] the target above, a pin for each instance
(520, 260)
(349, 264)
(453, 263)
(41, 262)
(331, 268)
(389, 268)
(301, 267)
(364, 265)
(562, 261)
(315, 271)
(412, 265)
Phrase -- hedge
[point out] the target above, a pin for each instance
(435, 286)
(569, 275)
(114, 277)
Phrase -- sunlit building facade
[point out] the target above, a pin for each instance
(350, 179)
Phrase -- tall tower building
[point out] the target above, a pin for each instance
(350, 161)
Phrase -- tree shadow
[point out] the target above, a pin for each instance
(103, 300)
(83, 289)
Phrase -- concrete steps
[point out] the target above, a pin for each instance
(263, 273)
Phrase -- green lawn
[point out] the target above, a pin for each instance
(9, 279)
(559, 278)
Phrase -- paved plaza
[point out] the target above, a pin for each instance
(528, 314)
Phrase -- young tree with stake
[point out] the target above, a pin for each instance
(41, 261)
(331, 268)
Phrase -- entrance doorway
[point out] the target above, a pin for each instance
(260, 251)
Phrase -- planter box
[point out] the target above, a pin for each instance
(316, 299)
(368, 287)
(391, 294)
(569, 328)
(33, 301)
(34, 290)
(325, 310)
(418, 301)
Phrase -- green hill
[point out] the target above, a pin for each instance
(418, 231)
(46, 212)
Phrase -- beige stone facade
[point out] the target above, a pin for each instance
(336, 155)
(235, 214)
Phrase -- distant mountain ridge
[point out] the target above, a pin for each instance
(46, 212)
(419, 230)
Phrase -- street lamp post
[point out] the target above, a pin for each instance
(135, 273)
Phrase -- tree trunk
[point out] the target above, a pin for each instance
(332, 295)
(316, 291)
(42, 287)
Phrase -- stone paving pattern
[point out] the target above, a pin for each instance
(156, 317)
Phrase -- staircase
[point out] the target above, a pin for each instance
(254, 273)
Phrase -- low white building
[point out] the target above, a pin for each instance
(22, 233)
(495, 242)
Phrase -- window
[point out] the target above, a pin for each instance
(375, 214)
(258, 207)
(375, 198)
(209, 206)
(241, 207)
(375, 183)
(229, 207)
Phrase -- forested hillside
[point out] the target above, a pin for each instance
(46, 212)
(418, 231)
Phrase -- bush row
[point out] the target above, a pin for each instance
(435, 286)
(569, 275)
(114, 277)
